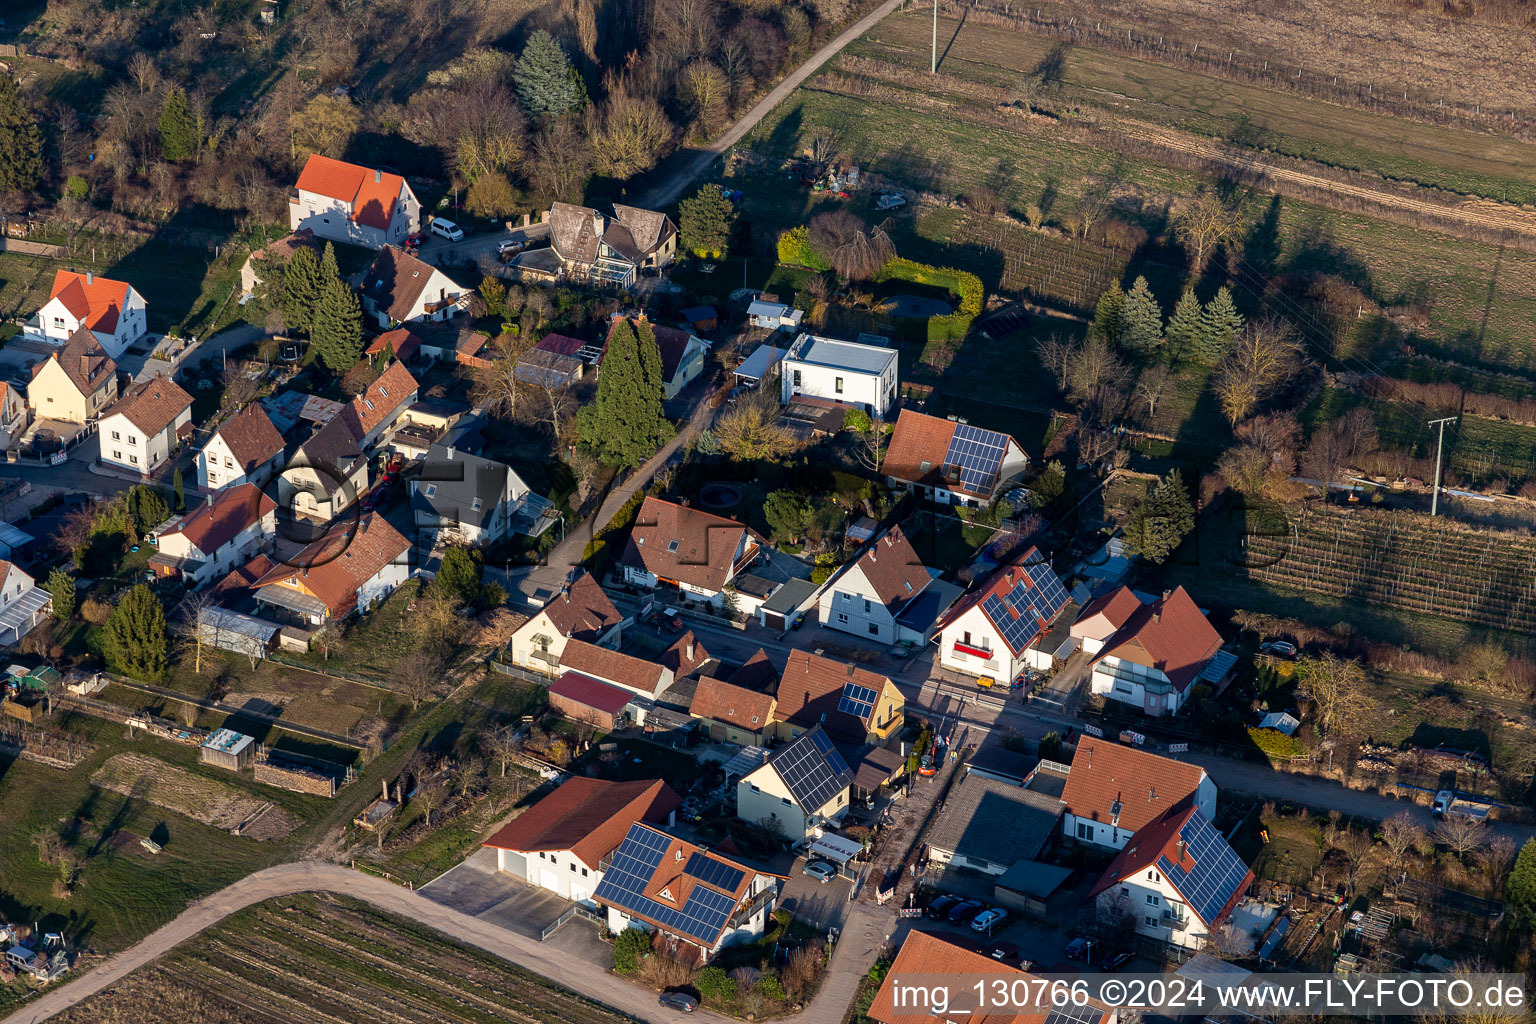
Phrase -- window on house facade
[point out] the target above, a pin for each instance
(116, 436)
(229, 463)
(1152, 900)
(1151, 921)
(118, 455)
(797, 378)
(874, 629)
(133, 459)
(842, 616)
(837, 385)
(867, 606)
(133, 439)
(1084, 830)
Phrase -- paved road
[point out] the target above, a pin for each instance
(668, 191)
(866, 932)
(479, 248)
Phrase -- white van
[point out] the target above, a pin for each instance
(447, 229)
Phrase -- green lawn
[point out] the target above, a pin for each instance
(374, 644)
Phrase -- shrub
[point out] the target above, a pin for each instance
(1275, 743)
(630, 946)
(771, 987)
(95, 612)
(714, 986)
(826, 565)
(795, 250)
(967, 287)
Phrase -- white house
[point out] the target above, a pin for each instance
(774, 316)
(247, 447)
(1103, 617)
(142, 430)
(348, 203)
(1113, 791)
(698, 900)
(869, 593)
(995, 632)
(949, 461)
(398, 288)
(352, 568)
(679, 548)
(113, 311)
(803, 786)
(327, 474)
(560, 843)
(14, 415)
(211, 540)
(1177, 879)
(840, 371)
(23, 604)
(465, 499)
(581, 611)
(1160, 651)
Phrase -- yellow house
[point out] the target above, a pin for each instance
(75, 384)
(803, 786)
(855, 704)
(733, 714)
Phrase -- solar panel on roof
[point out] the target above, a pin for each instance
(812, 769)
(979, 455)
(702, 916)
(1217, 872)
(1070, 1014)
(857, 700)
(714, 872)
(1017, 633)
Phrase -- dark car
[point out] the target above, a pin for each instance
(1114, 962)
(963, 912)
(941, 907)
(679, 1001)
(1077, 949)
(1002, 949)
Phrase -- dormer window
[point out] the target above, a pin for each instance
(476, 506)
(431, 490)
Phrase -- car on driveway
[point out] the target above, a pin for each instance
(509, 248)
(819, 870)
(989, 919)
(678, 1001)
(1077, 949)
(1279, 648)
(940, 908)
(1001, 949)
(1114, 962)
(961, 913)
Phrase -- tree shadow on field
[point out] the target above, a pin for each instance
(1319, 253)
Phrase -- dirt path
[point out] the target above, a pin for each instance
(863, 936)
(665, 193)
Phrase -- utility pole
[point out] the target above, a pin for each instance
(933, 62)
(1434, 502)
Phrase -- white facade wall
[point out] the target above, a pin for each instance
(1159, 910)
(1125, 681)
(1102, 833)
(873, 392)
(850, 605)
(762, 794)
(332, 218)
(524, 643)
(383, 583)
(560, 872)
(224, 560)
(14, 417)
(123, 444)
(641, 578)
(320, 495)
(58, 323)
(1001, 667)
(217, 467)
(16, 585)
(745, 932)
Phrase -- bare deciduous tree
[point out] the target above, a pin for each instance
(1204, 223)
(1461, 833)
(1263, 360)
(751, 430)
(1400, 835)
(1152, 385)
(417, 676)
(1337, 688)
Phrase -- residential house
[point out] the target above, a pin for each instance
(210, 541)
(608, 666)
(1113, 791)
(557, 361)
(803, 786)
(584, 699)
(402, 343)
(247, 447)
(840, 371)
(75, 384)
(681, 548)
(113, 311)
(698, 900)
(23, 604)
(774, 316)
(347, 203)
(961, 968)
(562, 843)
(987, 825)
(686, 657)
(398, 288)
(326, 475)
(1177, 878)
(145, 426)
(1103, 617)
(1152, 660)
(446, 343)
(951, 462)
(380, 406)
(581, 611)
(273, 254)
(682, 355)
(868, 594)
(465, 499)
(610, 250)
(428, 422)
(996, 631)
(733, 714)
(855, 704)
(14, 415)
(352, 568)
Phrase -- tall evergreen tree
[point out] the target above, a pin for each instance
(338, 331)
(1160, 521)
(328, 266)
(1184, 327)
(21, 141)
(705, 220)
(1141, 319)
(62, 586)
(546, 80)
(135, 641)
(302, 284)
(1520, 890)
(178, 127)
(624, 426)
(1220, 325)
(180, 487)
(1106, 315)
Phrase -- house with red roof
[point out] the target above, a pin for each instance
(998, 629)
(950, 461)
(580, 611)
(685, 549)
(146, 426)
(1177, 879)
(349, 203)
(211, 540)
(245, 447)
(113, 311)
(400, 289)
(1158, 652)
(1113, 791)
(867, 596)
(563, 842)
(682, 354)
(584, 699)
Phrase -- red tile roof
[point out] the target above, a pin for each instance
(893, 569)
(336, 565)
(685, 656)
(394, 389)
(400, 343)
(589, 817)
(371, 194)
(561, 344)
(1171, 635)
(582, 611)
(1116, 607)
(757, 673)
(84, 362)
(735, 705)
(1160, 838)
(251, 437)
(594, 693)
(153, 405)
(811, 688)
(611, 666)
(95, 301)
(678, 543)
(917, 449)
(1145, 785)
(215, 524)
(1002, 581)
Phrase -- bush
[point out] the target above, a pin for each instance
(771, 987)
(795, 250)
(95, 612)
(964, 285)
(715, 987)
(1275, 743)
(630, 946)
(826, 565)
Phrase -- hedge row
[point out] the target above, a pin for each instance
(1275, 743)
(795, 250)
(962, 283)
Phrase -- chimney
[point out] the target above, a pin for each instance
(386, 789)
(90, 277)
(378, 175)
(1181, 851)
(450, 453)
(689, 649)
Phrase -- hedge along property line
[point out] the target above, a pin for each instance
(795, 250)
(952, 326)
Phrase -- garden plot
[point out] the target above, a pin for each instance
(204, 800)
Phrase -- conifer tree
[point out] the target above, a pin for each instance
(338, 331)
(328, 267)
(178, 127)
(135, 641)
(1220, 324)
(180, 487)
(1160, 521)
(1520, 890)
(1106, 315)
(302, 284)
(62, 586)
(547, 83)
(1141, 319)
(625, 425)
(21, 141)
(705, 221)
(1184, 327)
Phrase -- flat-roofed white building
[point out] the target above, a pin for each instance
(842, 371)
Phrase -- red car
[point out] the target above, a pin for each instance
(413, 241)
(375, 496)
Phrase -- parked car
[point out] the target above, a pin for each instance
(1279, 648)
(961, 913)
(1002, 949)
(374, 498)
(414, 239)
(940, 907)
(447, 229)
(989, 919)
(819, 870)
(678, 1001)
(1114, 962)
(1077, 949)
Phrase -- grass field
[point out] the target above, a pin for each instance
(312, 960)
